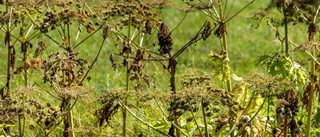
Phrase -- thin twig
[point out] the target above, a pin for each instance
(190, 42)
(47, 91)
(281, 35)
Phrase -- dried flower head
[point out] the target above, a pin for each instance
(164, 38)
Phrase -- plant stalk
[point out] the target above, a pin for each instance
(313, 78)
(227, 67)
(124, 111)
(9, 58)
(70, 120)
(310, 103)
(206, 133)
(285, 22)
(286, 118)
(227, 60)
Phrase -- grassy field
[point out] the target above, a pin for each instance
(246, 44)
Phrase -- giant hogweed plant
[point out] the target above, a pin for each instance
(63, 71)
(18, 30)
(130, 32)
(221, 13)
(282, 64)
(133, 50)
(192, 110)
(130, 22)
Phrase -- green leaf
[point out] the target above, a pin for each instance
(2, 126)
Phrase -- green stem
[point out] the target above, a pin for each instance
(69, 35)
(70, 120)
(124, 111)
(195, 121)
(10, 48)
(94, 61)
(227, 60)
(312, 80)
(268, 117)
(206, 133)
(285, 22)
(310, 103)
(173, 88)
(286, 118)
(227, 68)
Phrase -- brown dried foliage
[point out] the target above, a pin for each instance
(164, 38)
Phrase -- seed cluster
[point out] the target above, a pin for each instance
(131, 12)
(206, 31)
(45, 115)
(196, 81)
(10, 111)
(288, 105)
(212, 101)
(65, 69)
(110, 106)
(68, 13)
(164, 38)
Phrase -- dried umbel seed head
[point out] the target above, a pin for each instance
(294, 128)
(222, 29)
(106, 112)
(164, 38)
(220, 124)
(148, 26)
(206, 31)
(306, 94)
(106, 31)
(114, 65)
(312, 30)
(90, 27)
(293, 101)
(40, 48)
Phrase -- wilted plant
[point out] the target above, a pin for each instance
(217, 12)
(294, 12)
(131, 20)
(63, 70)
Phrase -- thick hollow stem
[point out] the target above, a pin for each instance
(285, 22)
(70, 121)
(286, 118)
(313, 78)
(124, 111)
(10, 48)
(206, 133)
(225, 48)
(310, 103)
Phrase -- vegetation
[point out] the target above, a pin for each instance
(159, 68)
